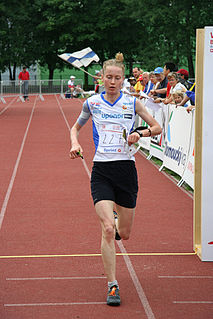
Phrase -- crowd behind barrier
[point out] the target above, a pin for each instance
(36, 87)
(175, 146)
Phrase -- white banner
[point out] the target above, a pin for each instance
(207, 151)
(158, 142)
(188, 175)
(177, 140)
(144, 142)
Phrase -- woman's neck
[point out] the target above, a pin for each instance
(111, 98)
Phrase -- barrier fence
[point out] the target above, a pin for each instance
(175, 145)
(36, 87)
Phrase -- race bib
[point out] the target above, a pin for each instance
(111, 140)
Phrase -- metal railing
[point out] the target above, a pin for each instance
(35, 87)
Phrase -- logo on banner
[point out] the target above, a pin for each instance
(211, 42)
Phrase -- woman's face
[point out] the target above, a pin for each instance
(113, 79)
(172, 81)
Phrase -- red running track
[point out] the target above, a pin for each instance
(46, 209)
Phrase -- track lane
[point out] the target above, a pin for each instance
(41, 228)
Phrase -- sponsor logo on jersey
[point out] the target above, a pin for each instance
(128, 116)
(112, 116)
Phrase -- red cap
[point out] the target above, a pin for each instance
(183, 72)
(140, 77)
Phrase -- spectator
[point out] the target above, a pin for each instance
(132, 82)
(169, 67)
(160, 92)
(71, 84)
(126, 85)
(24, 80)
(183, 78)
(190, 95)
(147, 82)
(138, 86)
(178, 97)
(175, 86)
(154, 81)
(96, 77)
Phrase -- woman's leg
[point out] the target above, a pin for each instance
(104, 210)
(125, 221)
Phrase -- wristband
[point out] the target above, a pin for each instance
(150, 132)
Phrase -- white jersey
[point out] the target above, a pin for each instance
(109, 122)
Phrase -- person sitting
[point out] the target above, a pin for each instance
(71, 85)
(175, 86)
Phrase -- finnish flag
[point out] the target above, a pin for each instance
(80, 58)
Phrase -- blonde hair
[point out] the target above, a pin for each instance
(118, 61)
(178, 93)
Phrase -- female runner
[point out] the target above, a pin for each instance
(114, 177)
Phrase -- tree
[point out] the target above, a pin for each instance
(16, 36)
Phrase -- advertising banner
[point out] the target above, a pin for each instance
(188, 175)
(158, 142)
(177, 140)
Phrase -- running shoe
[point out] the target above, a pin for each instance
(117, 236)
(113, 297)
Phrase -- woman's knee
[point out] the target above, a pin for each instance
(124, 234)
(108, 231)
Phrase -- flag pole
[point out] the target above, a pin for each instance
(86, 72)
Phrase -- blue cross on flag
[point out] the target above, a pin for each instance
(80, 58)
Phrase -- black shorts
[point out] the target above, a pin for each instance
(116, 181)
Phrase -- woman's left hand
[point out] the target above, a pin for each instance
(133, 138)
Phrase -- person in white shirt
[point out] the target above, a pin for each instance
(71, 84)
(175, 86)
(114, 177)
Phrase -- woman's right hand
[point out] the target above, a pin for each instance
(76, 151)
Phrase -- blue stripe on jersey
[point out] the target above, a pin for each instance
(134, 105)
(102, 96)
(95, 135)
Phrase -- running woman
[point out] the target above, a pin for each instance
(114, 180)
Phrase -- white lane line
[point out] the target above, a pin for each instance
(9, 190)
(136, 282)
(4, 109)
(186, 277)
(65, 119)
(54, 278)
(42, 304)
(193, 302)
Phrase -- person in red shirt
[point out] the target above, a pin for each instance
(24, 76)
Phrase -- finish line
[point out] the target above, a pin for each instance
(98, 255)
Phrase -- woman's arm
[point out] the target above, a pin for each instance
(154, 129)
